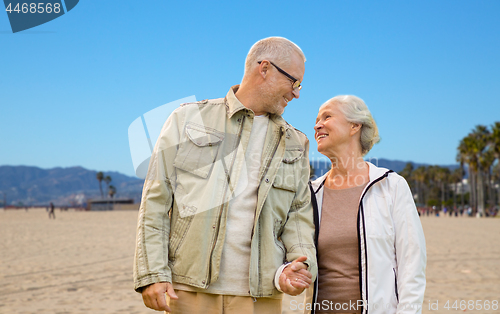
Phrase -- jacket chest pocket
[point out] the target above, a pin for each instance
(198, 149)
(287, 175)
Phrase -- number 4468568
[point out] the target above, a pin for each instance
(471, 305)
(34, 8)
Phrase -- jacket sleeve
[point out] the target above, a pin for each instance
(410, 250)
(298, 231)
(153, 227)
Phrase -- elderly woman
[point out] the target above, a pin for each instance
(371, 246)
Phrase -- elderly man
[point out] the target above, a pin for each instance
(226, 202)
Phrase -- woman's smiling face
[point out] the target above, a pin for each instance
(332, 128)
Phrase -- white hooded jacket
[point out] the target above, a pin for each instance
(392, 254)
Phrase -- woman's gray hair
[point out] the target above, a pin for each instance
(275, 49)
(356, 111)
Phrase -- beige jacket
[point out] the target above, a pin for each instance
(193, 174)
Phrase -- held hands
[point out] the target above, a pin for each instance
(295, 277)
(154, 296)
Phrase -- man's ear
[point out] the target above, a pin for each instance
(263, 68)
(355, 127)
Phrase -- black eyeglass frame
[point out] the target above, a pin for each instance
(293, 79)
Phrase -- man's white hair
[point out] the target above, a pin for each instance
(275, 49)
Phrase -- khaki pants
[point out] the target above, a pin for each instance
(205, 303)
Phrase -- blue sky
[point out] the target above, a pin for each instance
(69, 89)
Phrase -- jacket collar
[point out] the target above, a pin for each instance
(233, 105)
(374, 173)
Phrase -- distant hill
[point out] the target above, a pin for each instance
(25, 185)
(322, 166)
(63, 186)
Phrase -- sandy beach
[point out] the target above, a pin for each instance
(81, 262)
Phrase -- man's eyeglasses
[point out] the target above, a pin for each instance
(295, 83)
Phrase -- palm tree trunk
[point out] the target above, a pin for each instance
(472, 190)
(491, 191)
(455, 196)
(442, 194)
(462, 194)
(498, 194)
(480, 192)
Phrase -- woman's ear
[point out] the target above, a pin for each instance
(355, 127)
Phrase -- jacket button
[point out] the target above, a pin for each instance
(267, 180)
(239, 119)
(213, 226)
(203, 282)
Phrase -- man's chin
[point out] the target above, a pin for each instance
(279, 110)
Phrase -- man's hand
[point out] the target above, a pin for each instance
(154, 296)
(295, 277)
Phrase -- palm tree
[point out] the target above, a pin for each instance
(467, 147)
(487, 161)
(442, 177)
(407, 173)
(472, 150)
(496, 179)
(495, 146)
(495, 139)
(461, 157)
(456, 178)
(481, 136)
(107, 180)
(100, 177)
(431, 183)
(419, 176)
(111, 191)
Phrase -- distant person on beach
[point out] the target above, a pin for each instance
(370, 242)
(51, 211)
(226, 204)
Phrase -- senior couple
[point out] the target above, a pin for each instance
(229, 222)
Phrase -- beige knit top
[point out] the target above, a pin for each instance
(338, 250)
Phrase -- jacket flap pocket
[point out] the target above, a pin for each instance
(286, 177)
(293, 155)
(200, 137)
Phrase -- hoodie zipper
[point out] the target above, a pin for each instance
(396, 284)
(361, 217)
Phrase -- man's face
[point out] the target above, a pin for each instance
(278, 91)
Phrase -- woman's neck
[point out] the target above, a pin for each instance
(347, 171)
